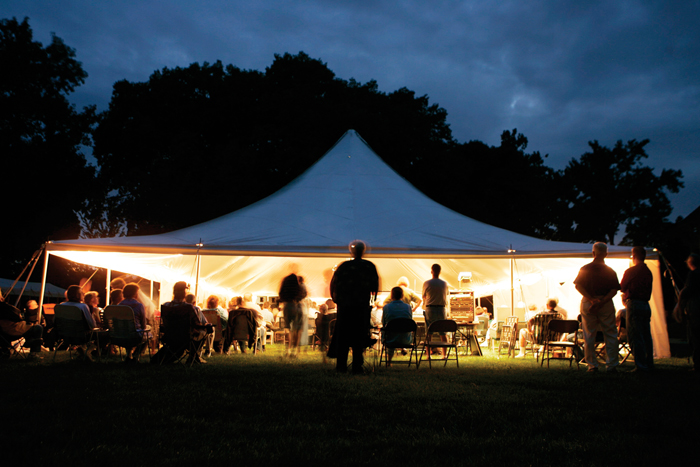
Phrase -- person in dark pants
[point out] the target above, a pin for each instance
(636, 292)
(13, 326)
(353, 285)
(689, 303)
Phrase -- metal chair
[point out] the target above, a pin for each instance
(440, 326)
(397, 326)
(555, 329)
(538, 336)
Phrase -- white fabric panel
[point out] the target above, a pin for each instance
(349, 193)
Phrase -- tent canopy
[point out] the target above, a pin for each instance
(349, 193)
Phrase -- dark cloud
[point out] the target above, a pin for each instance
(563, 73)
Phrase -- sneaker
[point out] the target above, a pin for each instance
(520, 355)
(592, 369)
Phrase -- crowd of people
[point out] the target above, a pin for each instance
(347, 320)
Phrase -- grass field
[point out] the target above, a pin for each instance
(265, 410)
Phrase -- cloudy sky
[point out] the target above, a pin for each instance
(563, 72)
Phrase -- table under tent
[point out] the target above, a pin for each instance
(311, 223)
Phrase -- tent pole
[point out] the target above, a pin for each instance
(43, 284)
(512, 282)
(107, 285)
(196, 283)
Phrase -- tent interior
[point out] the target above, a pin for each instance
(311, 223)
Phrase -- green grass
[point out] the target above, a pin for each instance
(264, 410)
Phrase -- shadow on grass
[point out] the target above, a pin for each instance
(270, 410)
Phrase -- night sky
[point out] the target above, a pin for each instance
(562, 72)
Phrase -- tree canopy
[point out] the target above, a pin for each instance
(193, 143)
(46, 176)
(606, 189)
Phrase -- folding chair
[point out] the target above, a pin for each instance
(624, 348)
(555, 329)
(497, 336)
(539, 335)
(509, 335)
(241, 328)
(397, 326)
(176, 334)
(281, 334)
(214, 319)
(440, 326)
(71, 329)
(13, 344)
(121, 328)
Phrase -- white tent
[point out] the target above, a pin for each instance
(351, 193)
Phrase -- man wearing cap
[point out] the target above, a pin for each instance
(353, 285)
(598, 284)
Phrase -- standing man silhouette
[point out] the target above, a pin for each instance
(598, 284)
(354, 284)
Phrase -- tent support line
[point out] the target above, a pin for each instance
(32, 260)
(35, 260)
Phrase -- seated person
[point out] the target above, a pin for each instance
(198, 324)
(116, 296)
(268, 316)
(480, 314)
(76, 297)
(564, 314)
(411, 298)
(243, 326)
(249, 304)
(213, 305)
(131, 292)
(527, 333)
(91, 300)
(621, 324)
(14, 327)
(397, 308)
(31, 313)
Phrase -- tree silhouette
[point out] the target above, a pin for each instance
(609, 188)
(202, 141)
(41, 136)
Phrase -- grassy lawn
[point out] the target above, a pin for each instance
(264, 410)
